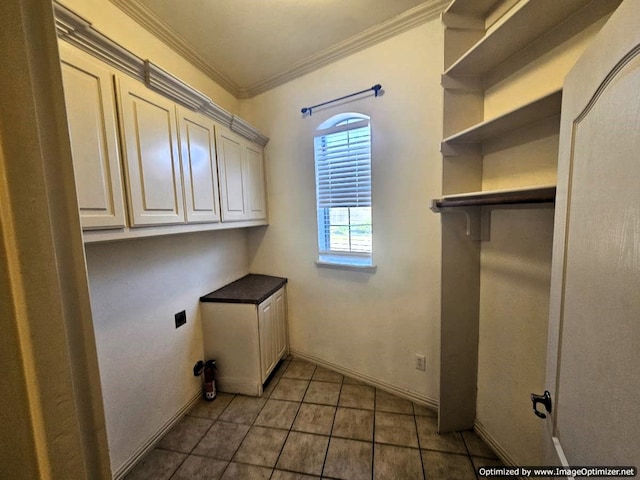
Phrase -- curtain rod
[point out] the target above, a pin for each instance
(376, 89)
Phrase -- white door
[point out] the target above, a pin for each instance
(593, 369)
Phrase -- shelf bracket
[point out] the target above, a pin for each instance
(475, 223)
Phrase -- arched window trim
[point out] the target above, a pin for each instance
(340, 118)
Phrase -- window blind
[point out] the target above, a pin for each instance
(343, 165)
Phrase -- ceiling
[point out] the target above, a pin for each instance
(250, 46)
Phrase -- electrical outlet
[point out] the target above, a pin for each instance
(421, 362)
(181, 318)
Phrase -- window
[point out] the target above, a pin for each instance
(343, 191)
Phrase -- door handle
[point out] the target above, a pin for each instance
(545, 400)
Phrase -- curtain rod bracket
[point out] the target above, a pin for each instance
(376, 92)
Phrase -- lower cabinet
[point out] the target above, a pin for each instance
(247, 340)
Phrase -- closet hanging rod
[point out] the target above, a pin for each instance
(376, 89)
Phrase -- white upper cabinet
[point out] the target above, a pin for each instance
(90, 103)
(149, 147)
(241, 173)
(199, 167)
(152, 162)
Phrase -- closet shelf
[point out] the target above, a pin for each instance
(513, 32)
(515, 196)
(528, 114)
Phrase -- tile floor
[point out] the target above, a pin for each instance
(312, 423)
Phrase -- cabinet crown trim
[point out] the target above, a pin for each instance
(243, 128)
(79, 32)
(170, 86)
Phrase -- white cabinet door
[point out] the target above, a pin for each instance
(241, 173)
(199, 167)
(152, 163)
(266, 326)
(90, 103)
(254, 167)
(232, 182)
(272, 318)
(280, 324)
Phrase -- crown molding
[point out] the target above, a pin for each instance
(405, 21)
(154, 24)
(240, 126)
(79, 32)
(172, 87)
(411, 18)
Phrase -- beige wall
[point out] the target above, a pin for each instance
(515, 280)
(115, 24)
(369, 324)
(137, 286)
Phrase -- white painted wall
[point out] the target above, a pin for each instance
(370, 324)
(145, 362)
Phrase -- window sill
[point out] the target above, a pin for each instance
(346, 264)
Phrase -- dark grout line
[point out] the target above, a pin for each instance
(294, 421)
(326, 454)
(466, 447)
(373, 437)
(213, 422)
(245, 435)
(274, 381)
(415, 422)
(234, 453)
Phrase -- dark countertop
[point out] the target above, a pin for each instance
(251, 288)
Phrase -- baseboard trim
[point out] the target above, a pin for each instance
(495, 446)
(243, 386)
(149, 444)
(375, 382)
